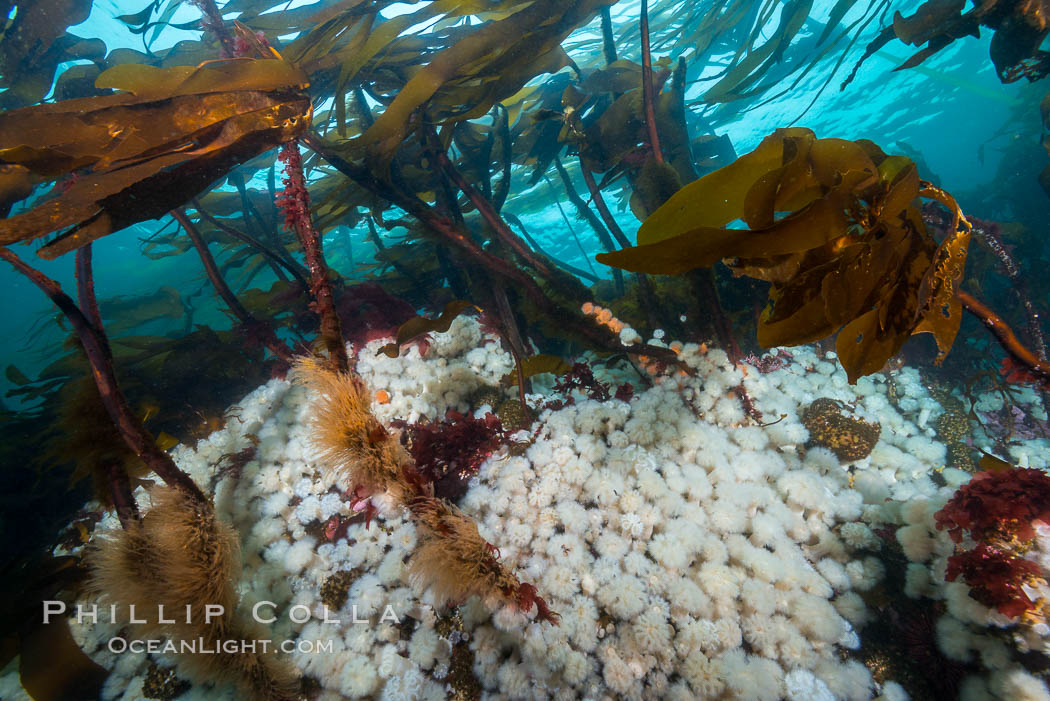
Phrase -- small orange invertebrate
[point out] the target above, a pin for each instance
(382, 396)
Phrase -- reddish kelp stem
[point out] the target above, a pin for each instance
(647, 86)
(294, 203)
(702, 282)
(595, 222)
(603, 209)
(120, 491)
(245, 317)
(116, 475)
(1005, 335)
(86, 294)
(96, 348)
(608, 40)
(645, 286)
(291, 266)
(989, 233)
(516, 344)
(495, 222)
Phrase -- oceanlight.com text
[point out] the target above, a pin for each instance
(201, 646)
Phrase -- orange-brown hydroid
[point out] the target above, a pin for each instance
(455, 562)
(182, 557)
(452, 559)
(350, 439)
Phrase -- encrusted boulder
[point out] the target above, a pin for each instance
(832, 425)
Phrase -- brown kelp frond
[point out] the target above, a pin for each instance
(85, 434)
(417, 326)
(177, 567)
(127, 148)
(456, 563)
(835, 227)
(351, 441)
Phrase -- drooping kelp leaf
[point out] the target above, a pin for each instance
(834, 226)
(990, 463)
(123, 314)
(617, 77)
(139, 153)
(16, 376)
(16, 184)
(757, 60)
(416, 327)
(671, 125)
(282, 297)
(755, 45)
(717, 198)
(617, 132)
(351, 39)
(943, 314)
(78, 81)
(537, 365)
(613, 139)
(655, 182)
(141, 22)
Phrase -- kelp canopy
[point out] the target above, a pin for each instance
(420, 141)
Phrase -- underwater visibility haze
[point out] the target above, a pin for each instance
(525, 350)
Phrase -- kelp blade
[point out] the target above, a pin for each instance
(137, 155)
(833, 225)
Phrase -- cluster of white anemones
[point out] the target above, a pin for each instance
(666, 531)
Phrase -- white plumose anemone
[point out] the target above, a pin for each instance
(666, 531)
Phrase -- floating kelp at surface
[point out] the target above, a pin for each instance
(138, 154)
(834, 226)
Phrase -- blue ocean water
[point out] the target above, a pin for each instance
(944, 109)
